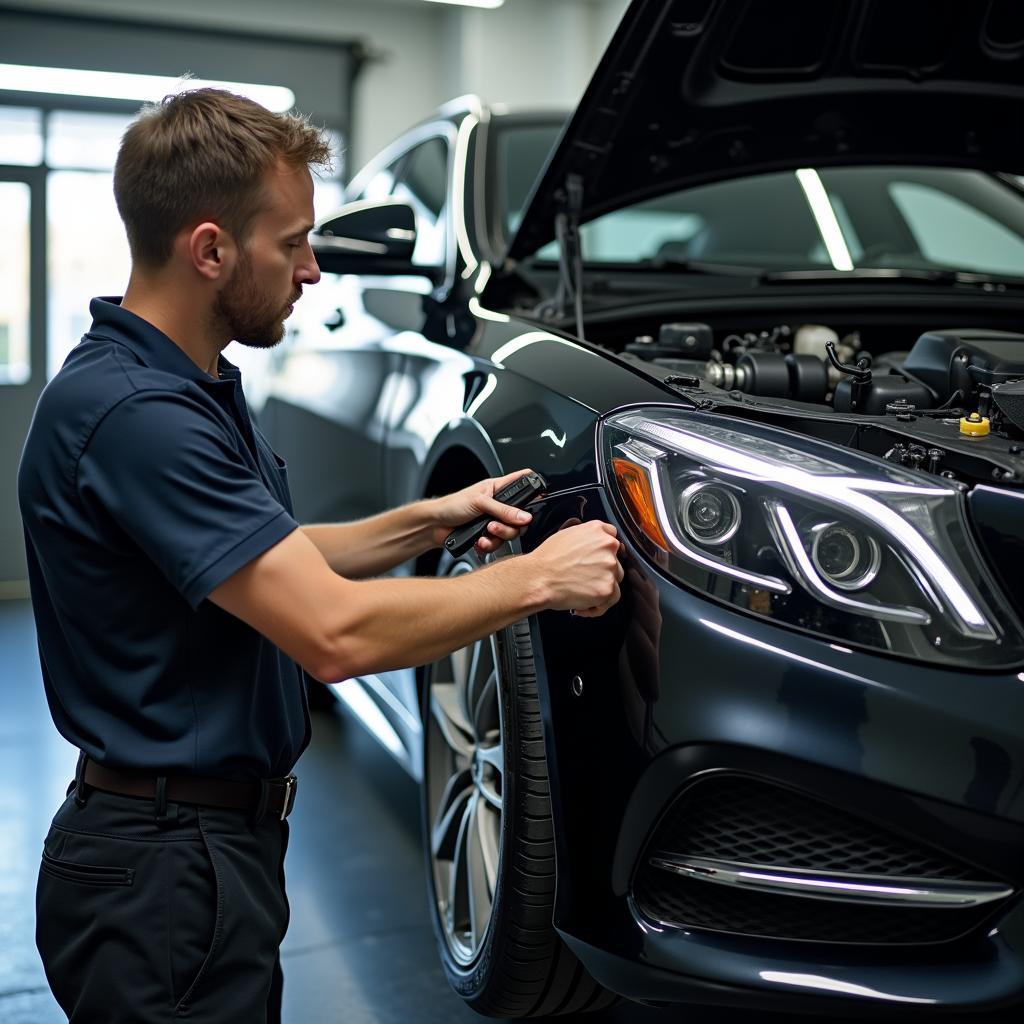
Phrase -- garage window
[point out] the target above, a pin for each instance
(71, 153)
(14, 282)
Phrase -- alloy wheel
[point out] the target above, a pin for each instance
(465, 767)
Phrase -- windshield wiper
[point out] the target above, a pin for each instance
(697, 267)
(658, 263)
(934, 276)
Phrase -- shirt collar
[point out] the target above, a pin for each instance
(150, 344)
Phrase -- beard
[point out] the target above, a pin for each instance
(250, 316)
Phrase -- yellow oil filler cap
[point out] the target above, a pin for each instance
(974, 425)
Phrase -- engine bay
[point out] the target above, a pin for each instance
(948, 401)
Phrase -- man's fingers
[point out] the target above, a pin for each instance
(505, 513)
(496, 529)
(597, 610)
(496, 535)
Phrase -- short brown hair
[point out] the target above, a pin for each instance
(202, 155)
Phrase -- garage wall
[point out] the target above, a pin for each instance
(318, 73)
(535, 53)
(529, 53)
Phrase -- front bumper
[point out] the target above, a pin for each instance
(675, 685)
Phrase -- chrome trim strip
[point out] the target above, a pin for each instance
(872, 890)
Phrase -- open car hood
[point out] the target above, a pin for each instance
(692, 91)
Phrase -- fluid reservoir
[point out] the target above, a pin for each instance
(810, 340)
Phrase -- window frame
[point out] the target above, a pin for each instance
(35, 178)
(395, 156)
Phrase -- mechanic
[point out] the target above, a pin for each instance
(175, 596)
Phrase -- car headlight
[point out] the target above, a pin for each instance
(810, 535)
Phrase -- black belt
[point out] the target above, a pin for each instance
(271, 796)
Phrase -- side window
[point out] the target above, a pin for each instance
(380, 186)
(423, 183)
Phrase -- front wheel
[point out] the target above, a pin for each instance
(488, 831)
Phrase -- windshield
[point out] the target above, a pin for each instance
(920, 218)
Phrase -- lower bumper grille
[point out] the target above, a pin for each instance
(756, 831)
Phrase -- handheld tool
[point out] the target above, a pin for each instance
(519, 493)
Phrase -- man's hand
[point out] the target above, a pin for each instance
(478, 500)
(580, 564)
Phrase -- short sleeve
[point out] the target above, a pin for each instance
(168, 471)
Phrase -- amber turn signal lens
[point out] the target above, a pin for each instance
(635, 486)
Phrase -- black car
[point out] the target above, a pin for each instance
(759, 304)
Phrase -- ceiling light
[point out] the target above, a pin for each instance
(115, 85)
(828, 224)
(489, 4)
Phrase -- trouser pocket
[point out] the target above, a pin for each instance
(100, 928)
(195, 917)
(85, 874)
(239, 979)
(124, 927)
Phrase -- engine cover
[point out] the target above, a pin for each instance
(964, 360)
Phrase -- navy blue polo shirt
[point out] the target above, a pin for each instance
(143, 486)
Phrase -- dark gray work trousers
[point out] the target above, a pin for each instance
(140, 920)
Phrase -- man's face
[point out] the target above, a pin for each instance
(274, 262)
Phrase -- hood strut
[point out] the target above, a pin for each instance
(570, 256)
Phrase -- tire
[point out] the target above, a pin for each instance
(488, 836)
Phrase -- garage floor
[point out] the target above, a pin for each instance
(360, 947)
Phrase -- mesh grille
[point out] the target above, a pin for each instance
(748, 822)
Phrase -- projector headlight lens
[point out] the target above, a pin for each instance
(846, 558)
(710, 514)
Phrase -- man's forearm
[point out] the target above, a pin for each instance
(337, 628)
(375, 545)
(396, 623)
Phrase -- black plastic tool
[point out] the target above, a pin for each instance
(518, 493)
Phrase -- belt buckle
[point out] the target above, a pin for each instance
(291, 785)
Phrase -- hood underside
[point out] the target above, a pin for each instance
(692, 91)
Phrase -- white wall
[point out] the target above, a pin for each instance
(528, 53)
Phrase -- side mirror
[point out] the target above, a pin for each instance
(370, 237)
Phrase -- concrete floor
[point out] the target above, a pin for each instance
(360, 948)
